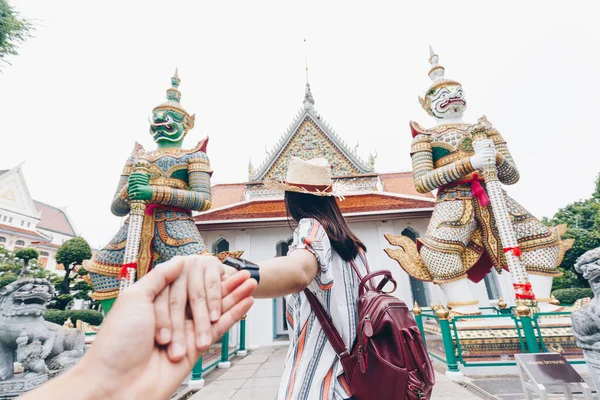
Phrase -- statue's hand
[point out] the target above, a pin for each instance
(485, 154)
(137, 180)
(140, 192)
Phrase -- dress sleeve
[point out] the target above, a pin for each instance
(311, 236)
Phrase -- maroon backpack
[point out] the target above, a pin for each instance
(389, 360)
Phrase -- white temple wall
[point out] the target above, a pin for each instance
(260, 244)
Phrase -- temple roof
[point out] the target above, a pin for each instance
(54, 219)
(371, 203)
(310, 136)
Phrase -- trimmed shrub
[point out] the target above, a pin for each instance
(570, 296)
(59, 317)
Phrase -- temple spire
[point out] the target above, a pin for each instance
(309, 101)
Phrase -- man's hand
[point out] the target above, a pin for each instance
(124, 362)
(198, 290)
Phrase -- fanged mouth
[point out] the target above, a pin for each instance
(169, 128)
(454, 100)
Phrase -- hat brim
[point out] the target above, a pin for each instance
(286, 187)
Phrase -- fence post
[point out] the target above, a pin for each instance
(417, 311)
(242, 351)
(224, 352)
(196, 381)
(453, 373)
(524, 315)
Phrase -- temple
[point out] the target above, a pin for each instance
(251, 217)
(25, 222)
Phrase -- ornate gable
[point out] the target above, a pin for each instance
(14, 194)
(309, 136)
(310, 141)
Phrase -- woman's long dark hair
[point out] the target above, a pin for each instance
(325, 210)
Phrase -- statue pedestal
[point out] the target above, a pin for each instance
(592, 358)
(20, 384)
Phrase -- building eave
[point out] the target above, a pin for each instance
(279, 222)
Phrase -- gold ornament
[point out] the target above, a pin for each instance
(416, 309)
(502, 304)
(522, 310)
(442, 313)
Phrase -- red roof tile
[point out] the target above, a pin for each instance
(225, 194)
(22, 231)
(401, 183)
(54, 219)
(276, 208)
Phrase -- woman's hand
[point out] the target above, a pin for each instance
(138, 186)
(124, 362)
(200, 288)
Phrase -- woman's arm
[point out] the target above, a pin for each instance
(281, 276)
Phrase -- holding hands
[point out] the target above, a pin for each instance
(125, 361)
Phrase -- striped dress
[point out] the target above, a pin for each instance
(312, 369)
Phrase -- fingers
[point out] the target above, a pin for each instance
(198, 303)
(163, 319)
(234, 281)
(212, 283)
(177, 303)
(238, 294)
(163, 275)
(229, 318)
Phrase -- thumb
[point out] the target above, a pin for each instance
(160, 277)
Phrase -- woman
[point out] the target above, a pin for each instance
(319, 259)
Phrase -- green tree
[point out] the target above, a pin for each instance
(13, 30)
(27, 254)
(583, 221)
(71, 254)
(11, 266)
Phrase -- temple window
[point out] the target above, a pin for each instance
(220, 246)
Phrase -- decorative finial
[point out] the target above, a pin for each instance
(68, 323)
(250, 169)
(437, 71)
(502, 304)
(173, 94)
(522, 310)
(306, 59)
(309, 101)
(416, 309)
(442, 313)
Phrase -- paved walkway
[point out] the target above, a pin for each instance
(256, 377)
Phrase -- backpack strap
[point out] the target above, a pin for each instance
(332, 334)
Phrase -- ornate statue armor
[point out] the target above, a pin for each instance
(178, 183)
(462, 240)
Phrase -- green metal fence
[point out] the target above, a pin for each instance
(226, 353)
(443, 334)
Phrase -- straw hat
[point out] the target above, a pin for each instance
(306, 176)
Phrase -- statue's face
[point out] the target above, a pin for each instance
(447, 101)
(595, 284)
(167, 125)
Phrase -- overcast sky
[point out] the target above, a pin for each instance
(79, 94)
